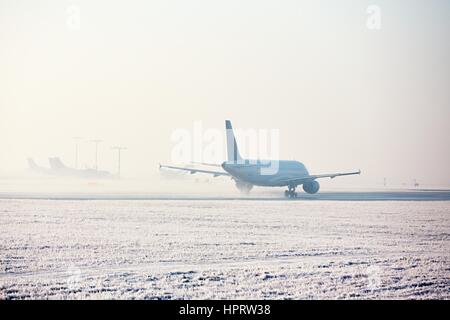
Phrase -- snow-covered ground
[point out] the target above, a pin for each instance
(223, 249)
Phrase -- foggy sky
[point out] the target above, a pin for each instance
(343, 97)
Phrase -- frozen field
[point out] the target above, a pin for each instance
(224, 249)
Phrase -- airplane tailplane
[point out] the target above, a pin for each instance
(56, 163)
(232, 149)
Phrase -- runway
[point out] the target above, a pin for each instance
(392, 195)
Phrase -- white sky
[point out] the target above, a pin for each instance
(343, 97)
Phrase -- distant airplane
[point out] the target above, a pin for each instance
(57, 168)
(248, 173)
(37, 169)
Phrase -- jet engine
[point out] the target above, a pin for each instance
(243, 186)
(311, 187)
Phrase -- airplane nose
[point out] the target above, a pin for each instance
(223, 165)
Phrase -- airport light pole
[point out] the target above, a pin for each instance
(77, 140)
(96, 141)
(118, 148)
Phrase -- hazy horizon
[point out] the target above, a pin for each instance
(341, 95)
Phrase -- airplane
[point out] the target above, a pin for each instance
(58, 168)
(33, 167)
(248, 173)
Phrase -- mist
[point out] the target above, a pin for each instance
(341, 95)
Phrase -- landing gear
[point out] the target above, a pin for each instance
(291, 192)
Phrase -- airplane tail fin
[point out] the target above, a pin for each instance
(31, 163)
(56, 163)
(232, 149)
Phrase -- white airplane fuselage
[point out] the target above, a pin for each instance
(267, 173)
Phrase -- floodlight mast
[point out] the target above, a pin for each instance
(96, 141)
(77, 140)
(119, 149)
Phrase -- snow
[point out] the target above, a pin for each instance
(224, 249)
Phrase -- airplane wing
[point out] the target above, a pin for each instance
(192, 171)
(208, 164)
(334, 175)
(318, 176)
